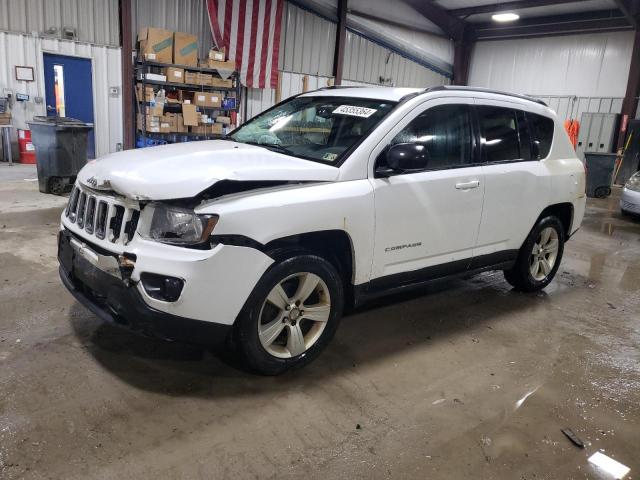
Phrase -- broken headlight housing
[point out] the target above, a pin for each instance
(634, 183)
(179, 226)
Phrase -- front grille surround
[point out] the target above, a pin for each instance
(106, 217)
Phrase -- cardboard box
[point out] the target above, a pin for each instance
(156, 44)
(149, 96)
(207, 99)
(5, 118)
(200, 99)
(189, 114)
(216, 128)
(153, 77)
(218, 82)
(152, 124)
(180, 128)
(223, 120)
(191, 78)
(214, 100)
(174, 74)
(218, 54)
(205, 79)
(165, 127)
(228, 66)
(185, 49)
(172, 120)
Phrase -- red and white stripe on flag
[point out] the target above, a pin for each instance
(249, 30)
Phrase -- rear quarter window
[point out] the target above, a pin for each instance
(541, 131)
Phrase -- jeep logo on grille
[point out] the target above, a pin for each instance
(92, 181)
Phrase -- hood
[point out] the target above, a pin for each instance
(183, 170)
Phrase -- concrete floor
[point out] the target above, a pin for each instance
(468, 380)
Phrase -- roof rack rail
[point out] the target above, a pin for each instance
(440, 88)
(335, 87)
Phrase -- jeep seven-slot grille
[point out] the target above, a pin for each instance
(102, 216)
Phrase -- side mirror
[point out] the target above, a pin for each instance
(407, 157)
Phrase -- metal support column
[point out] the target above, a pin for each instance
(630, 102)
(341, 39)
(126, 42)
(463, 46)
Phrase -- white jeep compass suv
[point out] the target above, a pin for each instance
(326, 200)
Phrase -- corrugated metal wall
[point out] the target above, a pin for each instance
(593, 65)
(307, 46)
(187, 16)
(95, 21)
(368, 62)
(291, 84)
(573, 107)
(17, 49)
(307, 42)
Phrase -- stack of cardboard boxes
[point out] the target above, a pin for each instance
(181, 49)
(164, 46)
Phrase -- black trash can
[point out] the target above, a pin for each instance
(600, 168)
(61, 151)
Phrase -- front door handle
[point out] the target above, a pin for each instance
(468, 185)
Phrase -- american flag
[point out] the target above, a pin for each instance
(249, 30)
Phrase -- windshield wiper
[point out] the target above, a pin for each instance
(272, 146)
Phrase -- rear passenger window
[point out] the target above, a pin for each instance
(541, 134)
(499, 130)
(445, 131)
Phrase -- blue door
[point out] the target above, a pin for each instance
(69, 90)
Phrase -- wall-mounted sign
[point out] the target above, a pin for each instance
(24, 74)
(22, 97)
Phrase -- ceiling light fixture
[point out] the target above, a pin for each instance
(505, 17)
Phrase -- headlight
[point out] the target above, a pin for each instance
(634, 183)
(179, 226)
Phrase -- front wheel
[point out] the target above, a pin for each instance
(539, 258)
(291, 315)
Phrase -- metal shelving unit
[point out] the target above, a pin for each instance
(144, 67)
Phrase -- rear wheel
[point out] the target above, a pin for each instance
(539, 258)
(291, 315)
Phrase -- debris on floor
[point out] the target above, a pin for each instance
(609, 465)
(573, 437)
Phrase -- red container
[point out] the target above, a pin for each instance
(27, 150)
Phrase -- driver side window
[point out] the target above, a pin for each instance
(445, 131)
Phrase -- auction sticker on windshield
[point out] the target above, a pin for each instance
(354, 111)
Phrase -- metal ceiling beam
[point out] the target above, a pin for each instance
(607, 20)
(631, 10)
(513, 5)
(449, 24)
(462, 33)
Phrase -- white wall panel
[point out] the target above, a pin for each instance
(307, 42)
(95, 21)
(573, 107)
(588, 65)
(366, 62)
(16, 49)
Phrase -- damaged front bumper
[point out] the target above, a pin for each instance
(112, 290)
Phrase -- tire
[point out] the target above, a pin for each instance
(524, 276)
(279, 347)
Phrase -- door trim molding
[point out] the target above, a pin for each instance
(407, 281)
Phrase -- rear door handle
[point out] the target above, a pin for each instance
(468, 185)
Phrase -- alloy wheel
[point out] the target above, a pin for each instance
(294, 315)
(544, 254)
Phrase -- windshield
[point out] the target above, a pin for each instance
(321, 129)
